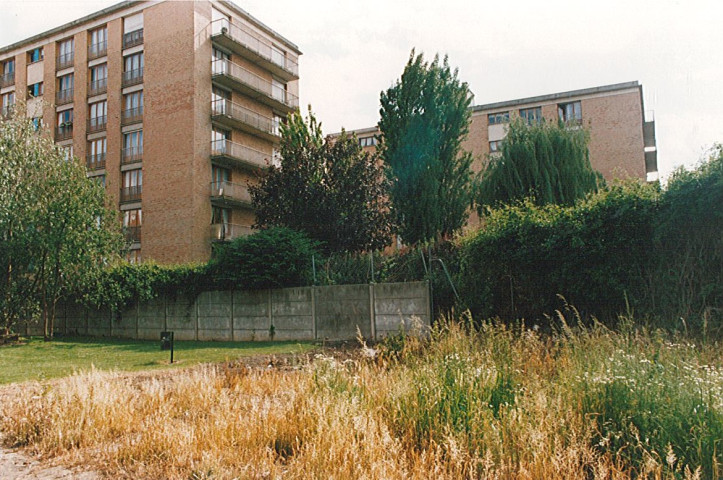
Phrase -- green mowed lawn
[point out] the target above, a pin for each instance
(35, 359)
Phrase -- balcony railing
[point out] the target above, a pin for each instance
(95, 162)
(132, 234)
(252, 46)
(7, 79)
(235, 76)
(63, 97)
(237, 153)
(64, 131)
(230, 193)
(131, 155)
(97, 50)
(131, 194)
(221, 232)
(131, 39)
(236, 116)
(97, 124)
(132, 77)
(64, 61)
(132, 115)
(97, 87)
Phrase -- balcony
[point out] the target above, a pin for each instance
(227, 194)
(232, 115)
(254, 48)
(132, 77)
(97, 124)
(64, 131)
(131, 39)
(64, 61)
(132, 234)
(229, 154)
(131, 194)
(98, 87)
(235, 77)
(7, 79)
(224, 232)
(95, 162)
(132, 115)
(97, 50)
(131, 155)
(63, 97)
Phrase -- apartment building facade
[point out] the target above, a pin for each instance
(173, 106)
(622, 141)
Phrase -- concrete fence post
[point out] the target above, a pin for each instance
(313, 310)
(372, 312)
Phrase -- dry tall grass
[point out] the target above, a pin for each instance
(499, 403)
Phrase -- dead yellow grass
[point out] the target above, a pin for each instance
(356, 419)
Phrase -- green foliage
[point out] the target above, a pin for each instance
(547, 162)
(594, 253)
(329, 189)
(54, 224)
(424, 118)
(272, 258)
(689, 273)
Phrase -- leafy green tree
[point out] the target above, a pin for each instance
(547, 162)
(328, 188)
(424, 118)
(54, 225)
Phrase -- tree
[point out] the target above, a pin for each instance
(54, 225)
(328, 188)
(547, 162)
(424, 119)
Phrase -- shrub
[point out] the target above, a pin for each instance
(272, 258)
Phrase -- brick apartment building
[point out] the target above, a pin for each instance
(622, 142)
(173, 106)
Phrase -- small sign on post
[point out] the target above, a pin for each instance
(167, 342)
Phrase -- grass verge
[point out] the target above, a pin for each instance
(39, 360)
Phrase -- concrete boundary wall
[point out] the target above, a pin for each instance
(333, 312)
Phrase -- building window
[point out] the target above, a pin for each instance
(96, 156)
(7, 73)
(37, 123)
(98, 116)
(98, 45)
(219, 141)
(219, 101)
(67, 152)
(367, 141)
(133, 30)
(278, 90)
(276, 125)
(36, 89)
(35, 55)
(132, 146)
(134, 256)
(220, 62)
(98, 79)
(570, 112)
(99, 179)
(132, 185)
(531, 115)
(278, 56)
(65, 125)
(8, 104)
(66, 52)
(132, 107)
(65, 89)
(132, 222)
(495, 146)
(133, 69)
(221, 216)
(498, 118)
(220, 174)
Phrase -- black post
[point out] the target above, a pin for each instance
(167, 342)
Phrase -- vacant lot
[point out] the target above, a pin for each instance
(500, 402)
(35, 359)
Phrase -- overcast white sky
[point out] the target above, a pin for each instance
(504, 50)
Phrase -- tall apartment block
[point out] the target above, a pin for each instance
(173, 106)
(622, 141)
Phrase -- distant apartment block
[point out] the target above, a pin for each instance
(622, 140)
(174, 106)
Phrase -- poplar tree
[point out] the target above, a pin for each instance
(424, 118)
(547, 162)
